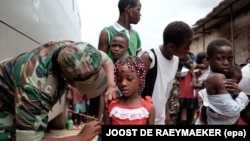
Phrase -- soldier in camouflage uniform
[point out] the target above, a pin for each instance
(173, 100)
(31, 83)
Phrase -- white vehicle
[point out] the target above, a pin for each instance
(26, 24)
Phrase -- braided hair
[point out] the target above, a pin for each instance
(134, 64)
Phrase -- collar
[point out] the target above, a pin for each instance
(120, 28)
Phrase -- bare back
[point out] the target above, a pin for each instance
(215, 84)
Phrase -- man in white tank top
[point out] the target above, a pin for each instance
(177, 38)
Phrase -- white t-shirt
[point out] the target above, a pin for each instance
(166, 70)
(245, 81)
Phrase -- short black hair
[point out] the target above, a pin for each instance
(233, 71)
(177, 32)
(122, 36)
(200, 56)
(124, 3)
(219, 42)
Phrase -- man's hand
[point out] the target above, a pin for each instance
(90, 130)
(111, 93)
(88, 133)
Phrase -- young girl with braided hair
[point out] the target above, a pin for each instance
(130, 108)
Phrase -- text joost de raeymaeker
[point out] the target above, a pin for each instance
(163, 132)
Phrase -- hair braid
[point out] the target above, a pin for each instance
(134, 64)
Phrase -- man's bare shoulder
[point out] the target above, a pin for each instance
(146, 59)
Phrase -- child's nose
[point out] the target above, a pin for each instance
(226, 61)
(124, 83)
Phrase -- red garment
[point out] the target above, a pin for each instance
(185, 86)
(76, 95)
(130, 115)
(241, 122)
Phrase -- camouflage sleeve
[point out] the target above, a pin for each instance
(188, 63)
(104, 57)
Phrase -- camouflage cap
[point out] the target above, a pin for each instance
(81, 62)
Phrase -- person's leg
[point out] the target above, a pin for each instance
(94, 106)
(197, 108)
(74, 118)
(101, 107)
(87, 106)
(173, 103)
(190, 116)
(77, 111)
(179, 119)
(82, 110)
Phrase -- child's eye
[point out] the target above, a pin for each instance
(231, 59)
(130, 78)
(220, 59)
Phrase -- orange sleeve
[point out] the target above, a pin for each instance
(147, 102)
(112, 104)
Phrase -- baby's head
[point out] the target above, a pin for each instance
(132, 70)
(200, 57)
(220, 55)
(235, 74)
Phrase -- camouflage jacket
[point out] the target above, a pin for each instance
(21, 81)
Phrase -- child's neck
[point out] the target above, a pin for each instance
(167, 54)
(134, 100)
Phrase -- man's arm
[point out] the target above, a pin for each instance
(146, 59)
(108, 66)
(111, 92)
(103, 41)
(151, 118)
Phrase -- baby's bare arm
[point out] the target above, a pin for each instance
(215, 84)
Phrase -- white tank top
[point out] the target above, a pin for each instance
(166, 70)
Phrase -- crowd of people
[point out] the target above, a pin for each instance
(165, 85)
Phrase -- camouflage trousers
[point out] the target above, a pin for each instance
(173, 102)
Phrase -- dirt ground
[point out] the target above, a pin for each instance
(64, 133)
